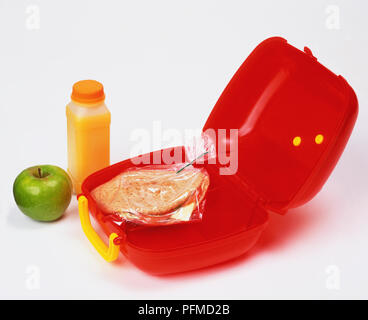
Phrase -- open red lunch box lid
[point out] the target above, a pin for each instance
(293, 118)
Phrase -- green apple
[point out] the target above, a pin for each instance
(43, 192)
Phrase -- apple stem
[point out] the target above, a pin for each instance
(39, 172)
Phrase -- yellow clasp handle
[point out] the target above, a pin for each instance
(110, 253)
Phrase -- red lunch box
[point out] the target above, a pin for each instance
(293, 119)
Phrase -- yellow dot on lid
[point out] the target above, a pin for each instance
(319, 138)
(297, 141)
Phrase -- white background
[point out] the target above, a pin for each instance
(169, 61)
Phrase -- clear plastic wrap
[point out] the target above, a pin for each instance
(155, 195)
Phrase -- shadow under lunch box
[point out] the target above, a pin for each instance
(293, 118)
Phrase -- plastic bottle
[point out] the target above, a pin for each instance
(88, 122)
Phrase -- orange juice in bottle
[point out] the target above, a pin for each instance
(88, 122)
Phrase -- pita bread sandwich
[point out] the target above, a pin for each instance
(154, 194)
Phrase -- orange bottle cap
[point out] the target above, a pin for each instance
(88, 92)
